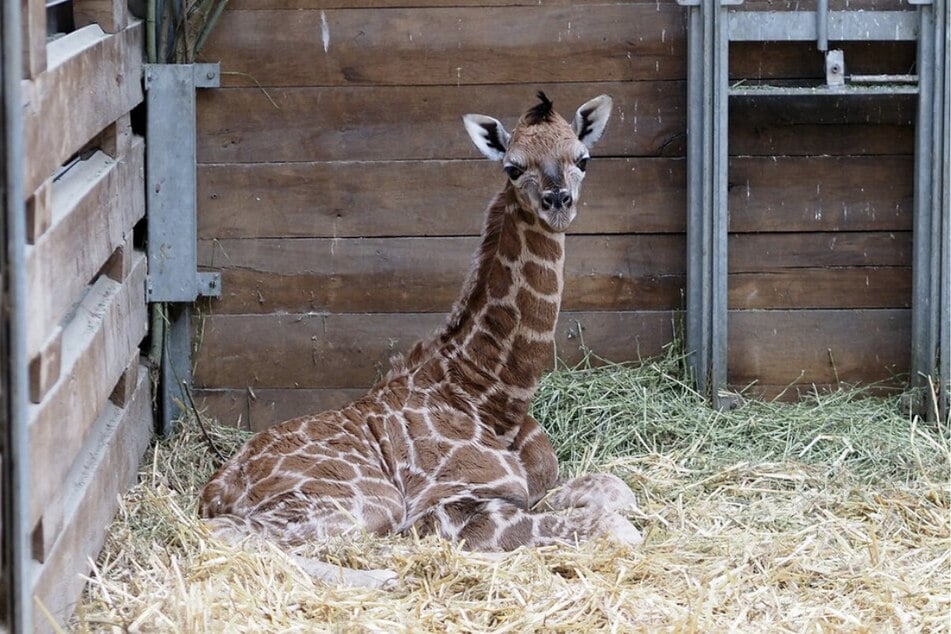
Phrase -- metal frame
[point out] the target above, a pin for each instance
(17, 554)
(171, 199)
(712, 25)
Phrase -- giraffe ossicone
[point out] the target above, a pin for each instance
(444, 443)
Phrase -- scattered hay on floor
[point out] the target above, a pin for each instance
(832, 514)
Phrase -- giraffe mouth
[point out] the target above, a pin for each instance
(558, 220)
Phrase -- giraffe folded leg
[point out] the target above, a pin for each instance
(501, 525)
(251, 533)
(594, 491)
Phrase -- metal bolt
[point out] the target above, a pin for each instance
(210, 75)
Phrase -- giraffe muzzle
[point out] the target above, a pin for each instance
(557, 200)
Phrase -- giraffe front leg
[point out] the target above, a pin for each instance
(537, 457)
(594, 491)
(497, 524)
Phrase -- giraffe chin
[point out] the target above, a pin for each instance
(557, 220)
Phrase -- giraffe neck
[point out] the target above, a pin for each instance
(500, 334)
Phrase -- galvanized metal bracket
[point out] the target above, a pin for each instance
(171, 182)
(171, 199)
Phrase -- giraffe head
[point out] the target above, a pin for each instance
(544, 157)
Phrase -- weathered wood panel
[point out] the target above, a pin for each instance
(621, 272)
(821, 193)
(818, 346)
(98, 342)
(92, 79)
(801, 60)
(418, 122)
(432, 198)
(865, 287)
(759, 252)
(95, 206)
(449, 46)
(106, 467)
(757, 5)
(258, 409)
(420, 198)
(352, 350)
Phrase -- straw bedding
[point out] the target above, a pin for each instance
(828, 515)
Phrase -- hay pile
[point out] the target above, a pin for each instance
(827, 515)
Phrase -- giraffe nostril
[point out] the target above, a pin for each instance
(560, 199)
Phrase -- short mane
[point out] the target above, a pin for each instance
(540, 113)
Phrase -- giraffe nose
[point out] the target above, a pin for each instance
(558, 199)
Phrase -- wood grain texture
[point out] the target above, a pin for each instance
(759, 252)
(95, 206)
(621, 272)
(240, 125)
(111, 15)
(818, 346)
(104, 469)
(352, 350)
(95, 80)
(98, 342)
(33, 40)
(864, 287)
(450, 46)
(420, 198)
(821, 193)
(259, 409)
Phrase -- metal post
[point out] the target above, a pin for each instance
(930, 313)
(943, 200)
(171, 199)
(16, 455)
(707, 165)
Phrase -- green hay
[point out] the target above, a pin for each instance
(596, 413)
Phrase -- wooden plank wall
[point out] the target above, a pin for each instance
(91, 417)
(341, 199)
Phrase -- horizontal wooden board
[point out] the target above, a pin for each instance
(92, 80)
(241, 125)
(449, 46)
(755, 5)
(104, 469)
(420, 198)
(621, 272)
(805, 126)
(821, 193)
(818, 346)
(639, 195)
(95, 206)
(865, 287)
(259, 409)
(353, 350)
(98, 342)
(759, 252)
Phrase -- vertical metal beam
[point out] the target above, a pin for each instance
(930, 312)
(707, 165)
(943, 200)
(16, 455)
(171, 198)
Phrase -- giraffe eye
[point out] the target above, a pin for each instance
(582, 163)
(514, 171)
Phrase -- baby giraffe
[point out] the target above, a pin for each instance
(444, 443)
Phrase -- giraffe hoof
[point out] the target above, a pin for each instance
(619, 530)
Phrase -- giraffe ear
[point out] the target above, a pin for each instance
(488, 134)
(591, 119)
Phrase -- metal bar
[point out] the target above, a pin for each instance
(171, 190)
(943, 201)
(695, 332)
(763, 90)
(923, 325)
(720, 215)
(822, 25)
(176, 366)
(843, 26)
(16, 459)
